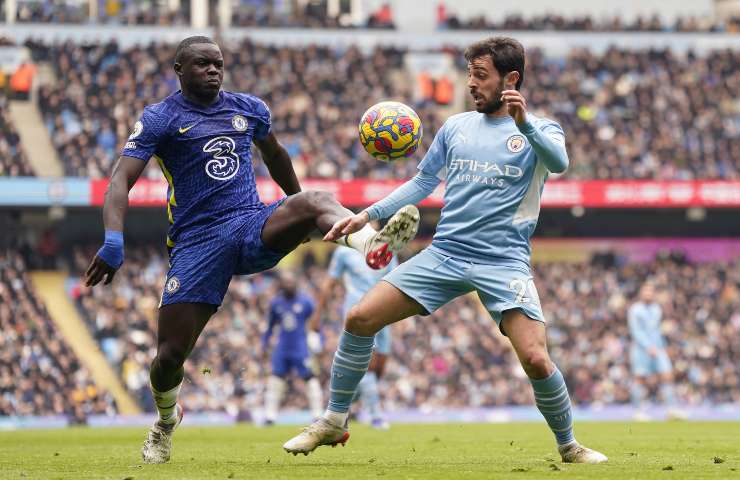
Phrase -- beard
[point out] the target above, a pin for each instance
(494, 104)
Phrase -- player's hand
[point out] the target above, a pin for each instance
(515, 105)
(653, 352)
(346, 226)
(98, 270)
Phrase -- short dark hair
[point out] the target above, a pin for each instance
(506, 54)
(190, 41)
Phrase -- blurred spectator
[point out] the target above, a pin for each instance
(13, 160)
(455, 357)
(550, 21)
(648, 114)
(39, 375)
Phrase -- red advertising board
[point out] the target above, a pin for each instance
(557, 193)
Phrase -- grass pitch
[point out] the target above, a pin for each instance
(517, 451)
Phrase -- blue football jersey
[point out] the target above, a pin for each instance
(493, 186)
(205, 155)
(644, 324)
(348, 265)
(291, 315)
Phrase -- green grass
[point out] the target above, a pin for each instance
(518, 451)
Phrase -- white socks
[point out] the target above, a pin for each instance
(273, 397)
(358, 240)
(315, 397)
(336, 418)
(166, 403)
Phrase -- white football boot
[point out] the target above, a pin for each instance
(574, 452)
(320, 432)
(392, 238)
(158, 443)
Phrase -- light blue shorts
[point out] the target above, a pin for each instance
(433, 279)
(643, 364)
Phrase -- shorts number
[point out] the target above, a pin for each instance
(522, 288)
(225, 163)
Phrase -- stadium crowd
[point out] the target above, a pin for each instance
(455, 357)
(584, 23)
(39, 374)
(13, 160)
(627, 114)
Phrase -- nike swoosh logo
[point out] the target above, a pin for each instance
(185, 129)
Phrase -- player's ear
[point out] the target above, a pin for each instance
(178, 68)
(511, 79)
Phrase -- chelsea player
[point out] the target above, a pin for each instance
(290, 311)
(495, 161)
(349, 268)
(201, 137)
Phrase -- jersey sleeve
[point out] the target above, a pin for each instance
(263, 118)
(336, 265)
(435, 160)
(149, 131)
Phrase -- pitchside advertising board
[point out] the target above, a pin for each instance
(76, 192)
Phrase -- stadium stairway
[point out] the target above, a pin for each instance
(35, 137)
(50, 286)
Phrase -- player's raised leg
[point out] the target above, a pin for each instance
(300, 214)
(528, 338)
(178, 328)
(384, 304)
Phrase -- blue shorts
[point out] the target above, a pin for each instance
(282, 365)
(433, 279)
(201, 268)
(643, 364)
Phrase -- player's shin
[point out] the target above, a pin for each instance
(370, 395)
(553, 401)
(350, 364)
(273, 397)
(315, 396)
(166, 403)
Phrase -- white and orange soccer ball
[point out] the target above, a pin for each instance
(390, 131)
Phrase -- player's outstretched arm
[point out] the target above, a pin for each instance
(549, 145)
(110, 256)
(411, 192)
(278, 163)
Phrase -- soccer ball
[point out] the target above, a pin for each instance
(390, 131)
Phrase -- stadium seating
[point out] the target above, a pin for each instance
(455, 357)
(39, 375)
(13, 161)
(627, 114)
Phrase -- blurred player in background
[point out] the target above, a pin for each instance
(649, 359)
(495, 161)
(290, 310)
(202, 138)
(349, 268)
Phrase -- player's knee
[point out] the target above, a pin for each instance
(359, 322)
(317, 201)
(170, 358)
(537, 364)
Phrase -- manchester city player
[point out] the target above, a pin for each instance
(290, 311)
(349, 268)
(495, 161)
(201, 137)
(648, 357)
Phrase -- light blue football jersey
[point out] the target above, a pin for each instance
(644, 324)
(493, 186)
(348, 265)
